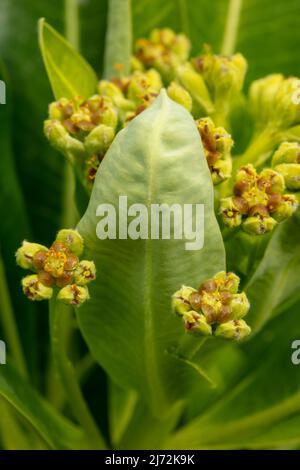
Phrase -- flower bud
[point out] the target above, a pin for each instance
(271, 181)
(257, 225)
(227, 281)
(34, 289)
(72, 239)
(181, 300)
(25, 254)
(61, 140)
(73, 295)
(291, 175)
(99, 139)
(239, 305)
(287, 152)
(231, 215)
(286, 208)
(193, 82)
(85, 272)
(196, 323)
(180, 95)
(221, 170)
(233, 330)
(107, 88)
(136, 64)
(154, 79)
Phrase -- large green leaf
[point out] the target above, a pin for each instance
(58, 432)
(257, 28)
(276, 280)
(68, 72)
(128, 323)
(262, 408)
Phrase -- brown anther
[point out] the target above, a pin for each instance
(85, 125)
(241, 187)
(208, 286)
(68, 110)
(39, 260)
(224, 314)
(274, 201)
(195, 300)
(259, 209)
(209, 313)
(46, 278)
(71, 262)
(65, 279)
(70, 126)
(225, 297)
(241, 204)
(59, 247)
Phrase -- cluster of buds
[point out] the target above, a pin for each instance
(82, 130)
(217, 145)
(223, 75)
(164, 50)
(57, 268)
(286, 160)
(275, 101)
(259, 202)
(216, 308)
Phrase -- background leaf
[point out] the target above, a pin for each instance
(157, 159)
(56, 430)
(68, 72)
(261, 407)
(253, 25)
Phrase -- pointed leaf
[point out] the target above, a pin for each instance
(128, 323)
(68, 72)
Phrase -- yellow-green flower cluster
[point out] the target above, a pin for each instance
(275, 101)
(216, 308)
(164, 50)
(259, 202)
(217, 145)
(286, 160)
(57, 268)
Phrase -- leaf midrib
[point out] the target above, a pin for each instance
(150, 335)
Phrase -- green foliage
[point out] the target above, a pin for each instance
(164, 390)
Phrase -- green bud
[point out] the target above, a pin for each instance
(181, 300)
(227, 281)
(165, 36)
(257, 225)
(274, 181)
(239, 305)
(85, 272)
(34, 289)
(287, 152)
(26, 253)
(194, 83)
(286, 208)
(177, 93)
(233, 330)
(291, 175)
(154, 79)
(196, 323)
(230, 213)
(99, 139)
(136, 64)
(181, 47)
(73, 295)
(262, 97)
(221, 170)
(72, 240)
(107, 88)
(61, 140)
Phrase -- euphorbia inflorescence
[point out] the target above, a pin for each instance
(259, 202)
(57, 269)
(216, 308)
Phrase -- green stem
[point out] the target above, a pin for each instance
(231, 28)
(189, 346)
(9, 323)
(59, 318)
(259, 149)
(69, 211)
